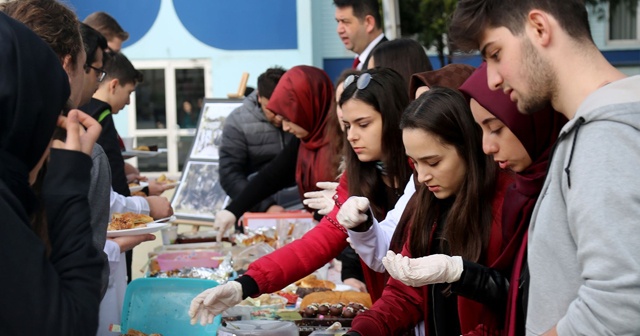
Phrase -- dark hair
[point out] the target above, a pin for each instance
(106, 25)
(362, 8)
(472, 17)
(118, 66)
(268, 80)
(55, 23)
(92, 41)
(387, 94)
(445, 113)
(406, 56)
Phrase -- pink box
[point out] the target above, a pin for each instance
(177, 260)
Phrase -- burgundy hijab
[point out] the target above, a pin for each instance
(304, 96)
(451, 76)
(537, 132)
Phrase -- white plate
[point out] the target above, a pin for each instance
(170, 185)
(142, 154)
(138, 188)
(151, 227)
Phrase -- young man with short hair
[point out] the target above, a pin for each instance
(583, 238)
(109, 28)
(359, 28)
(111, 97)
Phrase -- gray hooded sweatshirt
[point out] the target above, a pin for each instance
(584, 237)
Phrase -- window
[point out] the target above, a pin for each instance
(165, 109)
(623, 22)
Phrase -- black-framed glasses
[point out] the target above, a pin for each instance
(362, 83)
(101, 73)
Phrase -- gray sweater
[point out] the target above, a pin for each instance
(584, 237)
(99, 193)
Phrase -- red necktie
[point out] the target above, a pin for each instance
(356, 61)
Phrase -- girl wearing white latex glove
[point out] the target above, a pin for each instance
(321, 200)
(214, 301)
(353, 212)
(224, 220)
(418, 272)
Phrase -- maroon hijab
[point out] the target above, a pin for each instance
(304, 96)
(451, 76)
(537, 132)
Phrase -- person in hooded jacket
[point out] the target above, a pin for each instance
(54, 292)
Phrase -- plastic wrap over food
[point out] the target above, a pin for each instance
(221, 274)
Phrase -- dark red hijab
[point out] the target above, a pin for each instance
(451, 76)
(537, 132)
(304, 96)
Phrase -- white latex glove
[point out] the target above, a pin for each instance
(353, 212)
(224, 220)
(418, 272)
(322, 200)
(214, 301)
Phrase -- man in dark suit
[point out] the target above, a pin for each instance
(359, 28)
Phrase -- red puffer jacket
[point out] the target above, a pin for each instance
(305, 255)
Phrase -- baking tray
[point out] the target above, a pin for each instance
(161, 305)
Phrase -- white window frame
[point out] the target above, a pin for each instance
(172, 131)
(622, 43)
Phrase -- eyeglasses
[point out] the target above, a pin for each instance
(361, 84)
(101, 73)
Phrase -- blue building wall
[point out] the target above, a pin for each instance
(237, 36)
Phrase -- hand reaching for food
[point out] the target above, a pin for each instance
(214, 301)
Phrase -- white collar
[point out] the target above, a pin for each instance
(363, 56)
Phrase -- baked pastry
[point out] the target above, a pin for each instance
(128, 220)
(337, 298)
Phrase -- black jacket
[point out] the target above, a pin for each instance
(278, 174)
(108, 139)
(249, 142)
(57, 294)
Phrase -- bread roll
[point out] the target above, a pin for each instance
(337, 297)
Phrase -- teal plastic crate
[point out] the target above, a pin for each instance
(161, 305)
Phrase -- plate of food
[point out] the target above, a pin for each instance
(137, 186)
(130, 224)
(143, 151)
(167, 182)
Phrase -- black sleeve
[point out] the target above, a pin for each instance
(484, 285)
(109, 141)
(276, 175)
(249, 286)
(61, 292)
(351, 266)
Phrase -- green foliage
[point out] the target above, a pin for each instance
(428, 20)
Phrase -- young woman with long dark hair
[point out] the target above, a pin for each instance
(455, 211)
(372, 104)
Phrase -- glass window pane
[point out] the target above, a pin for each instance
(150, 100)
(184, 148)
(189, 94)
(157, 163)
(623, 24)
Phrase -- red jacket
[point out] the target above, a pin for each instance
(305, 255)
(402, 307)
